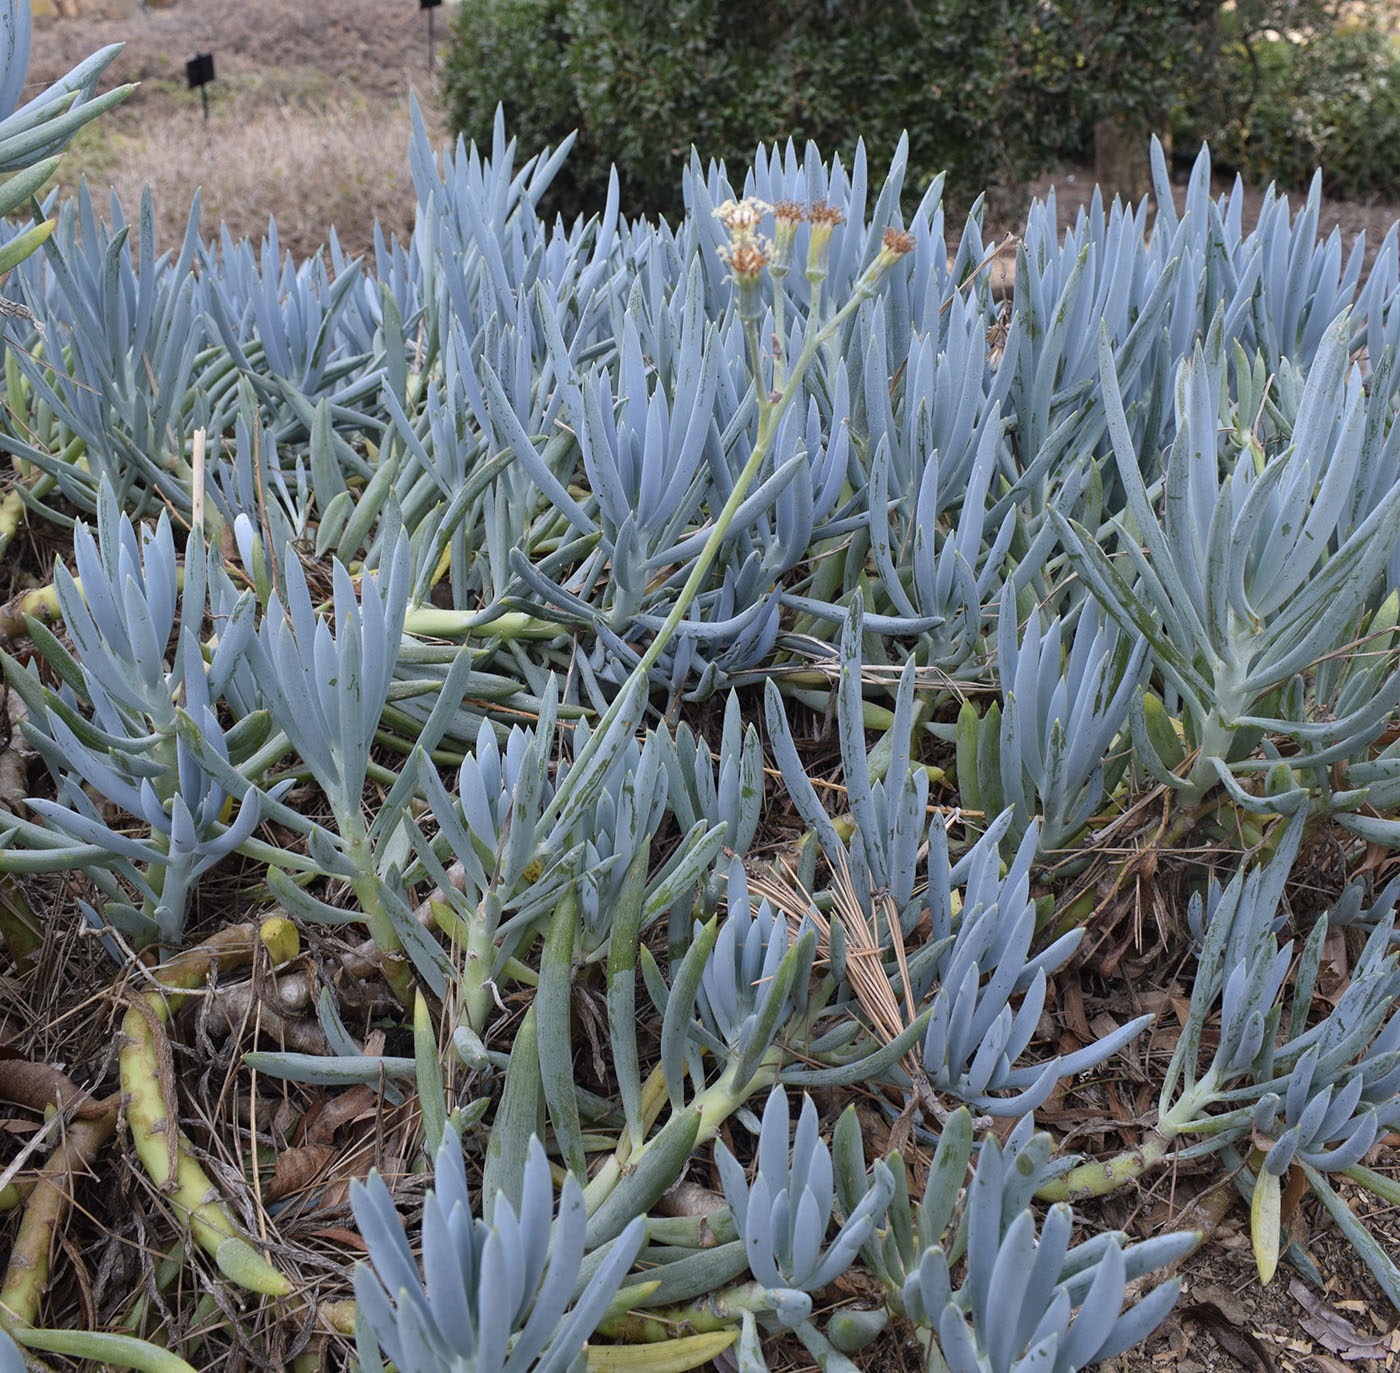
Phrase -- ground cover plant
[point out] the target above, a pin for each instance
(592, 765)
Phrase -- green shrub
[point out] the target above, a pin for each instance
(1330, 100)
(991, 92)
(652, 80)
(512, 53)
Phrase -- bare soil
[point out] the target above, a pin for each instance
(378, 46)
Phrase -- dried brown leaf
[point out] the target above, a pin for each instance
(39, 1086)
(339, 1111)
(1241, 1344)
(338, 1234)
(297, 1169)
(1332, 1330)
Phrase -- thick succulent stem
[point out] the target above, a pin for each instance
(1100, 1177)
(51, 1193)
(41, 602)
(28, 1272)
(164, 1152)
(718, 1311)
(720, 1100)
(389, 948)
(11, 513)
(12, 507)
(477, 936)
(627, 1155)
(396, 969)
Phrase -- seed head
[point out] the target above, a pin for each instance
(742, 218)
(787, 215)
(897, 242)
(746, 261)
(894, 244)
(824, 219)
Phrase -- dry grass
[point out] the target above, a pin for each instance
(310, 151)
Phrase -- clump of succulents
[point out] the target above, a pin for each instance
(497, 1295)
(416, 586)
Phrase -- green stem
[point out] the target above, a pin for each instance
(11, 513)
(396, 968)
(779, 330)
(1099, 1178)
(769, 419)
(478, 940)
(720, 1100)
(719, 1311)
(625, 1157)
(765, 401)
(1231, 701)
(716, 1104)
(1387, 1188)
(428, 621)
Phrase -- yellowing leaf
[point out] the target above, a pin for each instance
(666, 1356)
(1265, 1222)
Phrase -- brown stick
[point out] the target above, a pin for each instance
(40, 1085)
(27, 1275)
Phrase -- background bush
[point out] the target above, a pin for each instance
(991, 90)
(1307, 99)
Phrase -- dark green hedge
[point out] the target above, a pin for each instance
(1329, 99)
(990, 90)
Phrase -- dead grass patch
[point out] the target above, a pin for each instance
(310, 152)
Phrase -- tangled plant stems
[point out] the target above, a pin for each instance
(147, 1089)
(147, 1085)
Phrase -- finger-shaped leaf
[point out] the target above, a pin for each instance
(122, 1351)
(553, 1025)
(516, 1119)
(622, 987)
(680, 1008)
(1265, 1224)
(661, 1163)
(432, 1100)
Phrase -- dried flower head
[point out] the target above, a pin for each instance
(894, 244)
(897, 241)
(742, 218)
(824, 218)
(746, 261)
(12, 309)
(787, 215)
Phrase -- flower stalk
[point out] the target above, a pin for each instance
(896, 245)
